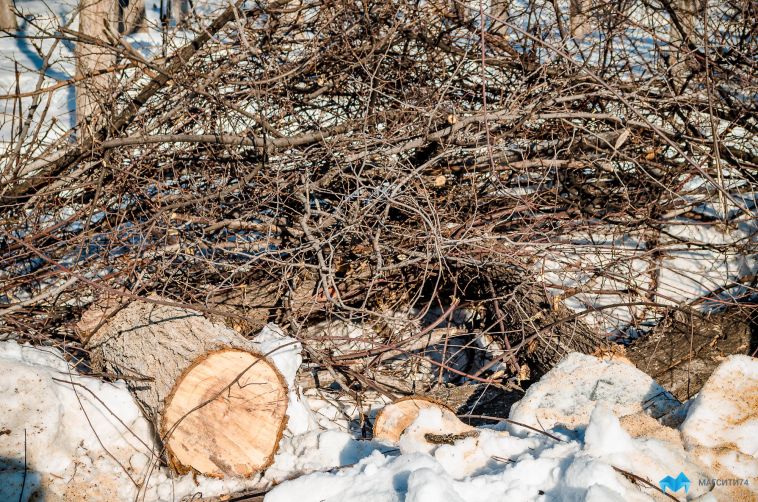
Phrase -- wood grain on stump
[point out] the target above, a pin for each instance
(395, 418)
(219, 406)
(225, 415)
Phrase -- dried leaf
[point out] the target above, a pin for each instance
(622, 139)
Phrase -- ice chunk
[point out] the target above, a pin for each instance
(725, 412)
(721, 427)
(567, 394)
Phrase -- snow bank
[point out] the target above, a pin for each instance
(285, 353)
(87, 439)
(78, 437)
(494, 466)
(318, 451)
(601, 430)
(65, 437)
(568, 393)
(722, 423)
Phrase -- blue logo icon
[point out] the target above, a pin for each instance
(675, 484)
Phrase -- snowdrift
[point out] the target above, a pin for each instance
(610, 433)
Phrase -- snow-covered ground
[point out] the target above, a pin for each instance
(693, 260)
(64, 436)
(35, 59)
(25, 55)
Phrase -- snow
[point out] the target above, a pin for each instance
(66, 437)
(465, 471)
(284, 352)
(715, 405)
(722, 423)
(604, 435)
(695, 259)
(22, 51)
(429, 420)
(340, 337)
(694, 264)
(617, 384)
(318, 451)
(33, 41)
(86, 437)
(613, 430)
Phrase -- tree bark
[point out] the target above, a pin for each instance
(132, 17)
(180, 9)
(7, 17)
(682, 33)
(579, 17)
(95, 90)
(498, 12)
(218, 405)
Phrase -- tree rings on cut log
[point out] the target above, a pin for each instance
(395, 418)
(225, 415)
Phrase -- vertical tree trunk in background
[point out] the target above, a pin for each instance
(173, 12)
(7, 17)
(579, 17)
(499, 13)
(179, 10)
(687, 13)
(94, 16)
(132, 17)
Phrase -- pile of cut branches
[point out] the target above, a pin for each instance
(383, 162)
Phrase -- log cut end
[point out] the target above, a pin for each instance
(225, 415)
(394, 419)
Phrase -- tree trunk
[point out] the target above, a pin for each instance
(132, 17)
(95, 89)
(579, 17)
(687, 13)
(682, 33)
(7, 17)
(217, 404)
(179, 10)
(498, 13)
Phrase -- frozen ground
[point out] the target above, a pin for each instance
(64, 436)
